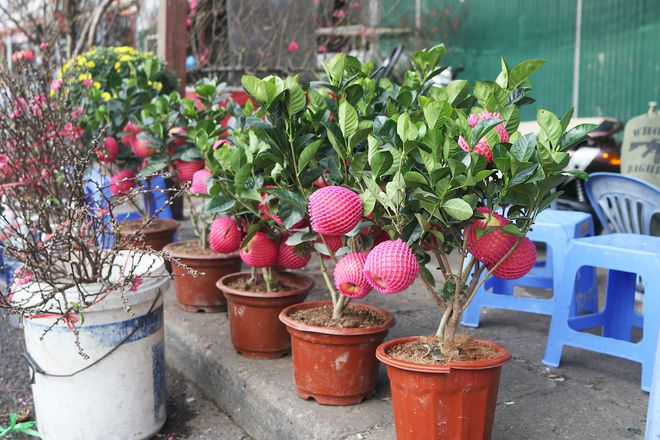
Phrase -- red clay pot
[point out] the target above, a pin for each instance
(455, 401)
(256, 330)
(335, 366)
(200, 294)
(157, 237)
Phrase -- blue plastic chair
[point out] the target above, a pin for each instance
(623, 204)
(556, 229)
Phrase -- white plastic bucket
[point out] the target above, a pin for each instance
(123, 395)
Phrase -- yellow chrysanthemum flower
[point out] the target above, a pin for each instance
(105, 96)
(91, 64)
(97, 84)
(158, 86)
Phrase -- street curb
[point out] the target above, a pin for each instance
(259, 394)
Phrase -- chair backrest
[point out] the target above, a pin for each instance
(623, 204)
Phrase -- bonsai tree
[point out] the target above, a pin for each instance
(452, 174)
(56, 221)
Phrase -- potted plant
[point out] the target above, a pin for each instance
(315, 152)
(463, 180)
(92, 310)
(113, 86)
(208, 256)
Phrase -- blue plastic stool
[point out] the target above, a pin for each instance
(157, 199)
(625, 255)
(556, 229)
(653, 413)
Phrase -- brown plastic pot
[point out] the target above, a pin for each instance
(335, 366)
(200, 294)
(256, 330)
(156, 237)
(455, 401)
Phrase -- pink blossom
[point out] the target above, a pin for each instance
(77, 112)
(322, 48)
(339, 13)
(293, 46)
(193, 4)
(135, 284)
(87, 83)
(362, 30)
(473, 120)
(56, 84)
(43, 46)
(188, 22)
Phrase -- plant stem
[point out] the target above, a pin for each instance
(268, 278)
(443, 322)
(338, 309)
(253, 275)
(328, 282)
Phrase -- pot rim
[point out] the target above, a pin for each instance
(446, 368)
(168, 225)
(301, 326)
(309, 283)
(215, 256)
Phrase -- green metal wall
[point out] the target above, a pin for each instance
(619, 68)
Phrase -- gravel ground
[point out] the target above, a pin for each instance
(190, 415)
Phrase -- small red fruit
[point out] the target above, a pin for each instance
(111, 147)
(519, 263)
(287, 258)
(391, 267)
(141, 148)
(260, 251)
(349, 275)
(224, 236)
(200, 183)
(334, 210)
(490, 247)
(122, 182)
(186, 170)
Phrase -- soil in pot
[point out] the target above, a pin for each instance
(200, 293)
(335, 363)
(256, 330)
(156, 235)
(450, 397)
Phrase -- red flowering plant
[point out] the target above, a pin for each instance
(452, 174)
(57, 222)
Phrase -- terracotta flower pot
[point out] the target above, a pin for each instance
(335, 366)
(155, 236)
(455, 401)
(200, 294)
(256, 330)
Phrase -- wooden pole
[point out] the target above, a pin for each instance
(173, 37)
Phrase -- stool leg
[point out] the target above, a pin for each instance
(587, 291)
(619, 305)
(502, 287)
(563, 304)
(651, 328)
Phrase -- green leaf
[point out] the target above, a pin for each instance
(369, 200)
(435, 110)
(380, 163)
(578, 173)
(295, 100)
(524, 147)
(414, 179)
(458, 209)
(308, 154)
(576, 135)
(153, 168)
(550, 125)
(251, 85)
(220, 203)
(522, 71)
(348, 119)
(405, 128)
(512, 229)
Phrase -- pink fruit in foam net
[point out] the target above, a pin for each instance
(122, 182)
(186, 170)
(489, 248)
(110, 149)
(391, 267)
(349, 275)
(224, 235)
(260, 251)
(200, 182)
(519, 263)
(334, 210)
(287, 258)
